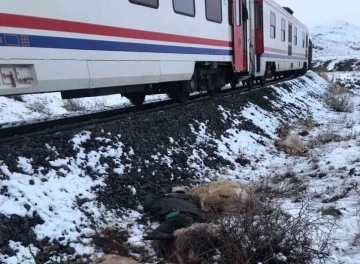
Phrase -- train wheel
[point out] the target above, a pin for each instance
(213, 90)
(181, 92)
(136, 99)
(233, 84)
(250, 83)
(262, 80)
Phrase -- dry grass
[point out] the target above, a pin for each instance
(328, 136)
(38, 106)
(338, 98)
(307, 123)
(292, 145)
(262, 235)
(283, 130)
(73, 105)
(282, 185)
(112, 241)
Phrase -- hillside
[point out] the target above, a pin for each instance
(58, 191)
(337, 46)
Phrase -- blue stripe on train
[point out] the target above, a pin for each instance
(34, 41)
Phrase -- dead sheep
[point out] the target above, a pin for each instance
(114, 259)
(293, 145)
(220, 196)
(186, 246)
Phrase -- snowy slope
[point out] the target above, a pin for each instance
(338, 38)
(337, 47)
(106, 168)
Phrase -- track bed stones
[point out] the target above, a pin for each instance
(130, 157)
(17, 229)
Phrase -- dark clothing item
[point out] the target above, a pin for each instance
(174, 211)
(177, 222)
(166, 204)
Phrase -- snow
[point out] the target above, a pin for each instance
(24, 254)
(35, 107)
(335, 159)
(54, 198)
(336, 39)
(60, 191)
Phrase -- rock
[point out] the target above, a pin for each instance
(70, 250)
(47, 249)
(322, 175)
(243, 161)
(45, 240)
(31, 182)
(304, 133)
(331, 211)
(27, 207)
(352, 171)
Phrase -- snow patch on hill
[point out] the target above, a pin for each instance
(338, 39)
(64, 195)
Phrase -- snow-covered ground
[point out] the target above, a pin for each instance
(62, 189)
(34, 107)
(336, 39)
(350, 80)
(336, 47)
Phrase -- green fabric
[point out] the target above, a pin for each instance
(160, 206)
(172, 214)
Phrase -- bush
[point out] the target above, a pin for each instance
(282, 185)
(292, 145)
(38, 106)
(264, 235)
(73, 105)
(338, 98)
(328, 136)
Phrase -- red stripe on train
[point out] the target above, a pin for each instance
(283, 51)
(30, 22)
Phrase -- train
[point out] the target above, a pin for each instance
(136, 48)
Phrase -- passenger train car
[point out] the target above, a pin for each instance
(138, 47)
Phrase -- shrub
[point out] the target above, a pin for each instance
(261, 236)
(282, 185)
(338, 98)
(292, 145)
(38, 106)
(73, 105)
(328, 136)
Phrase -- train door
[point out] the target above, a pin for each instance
(259, 29)
(290, 39)
(239, 42)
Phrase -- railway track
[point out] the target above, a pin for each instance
(26, 131)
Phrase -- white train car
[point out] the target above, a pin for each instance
(139, 47)
(281, 41)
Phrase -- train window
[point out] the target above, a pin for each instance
(272, 25)
(257, 15)
(213, 10)
(307, 40)
(295, 36)
(230, 13)
(184, 7)
(148, 3)
(303, 39)
(283, 29)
